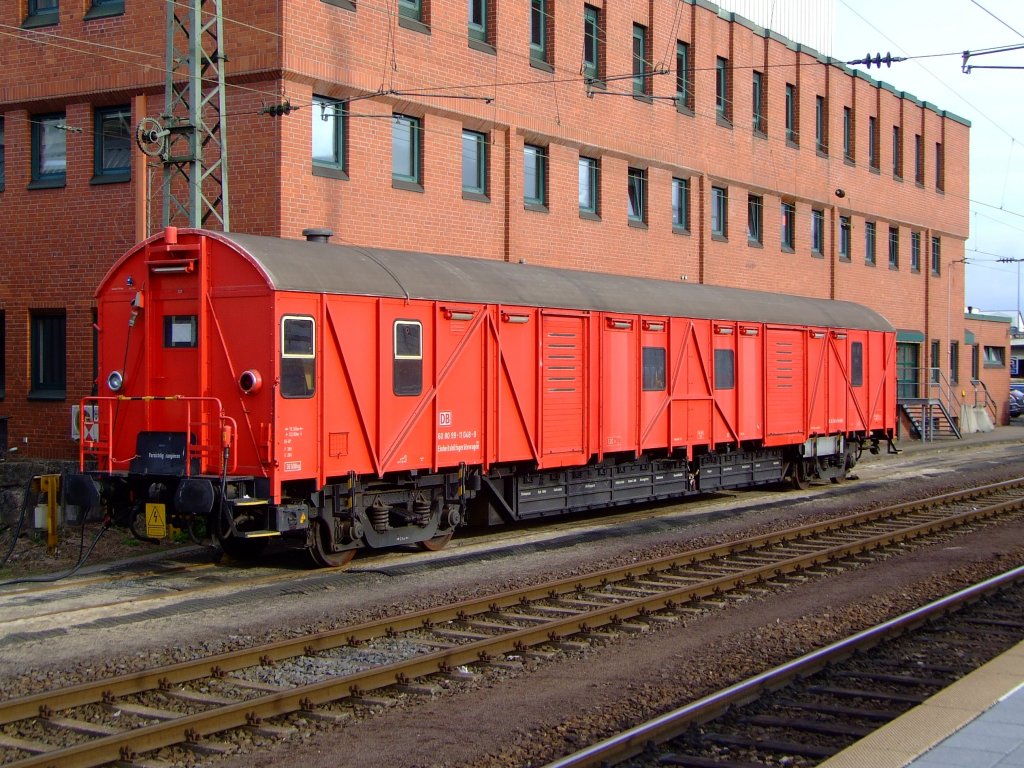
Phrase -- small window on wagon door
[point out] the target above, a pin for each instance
(407, 380)
(298, 357)
(654, 369)
(725, 369)
(857, 364)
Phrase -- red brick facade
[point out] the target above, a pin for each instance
(61, 240)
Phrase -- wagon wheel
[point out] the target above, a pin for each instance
(437, 543)
(798, 476)
(321, 549)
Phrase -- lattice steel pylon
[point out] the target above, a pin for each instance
(190, 136)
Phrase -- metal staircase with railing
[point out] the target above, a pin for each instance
(940, 414)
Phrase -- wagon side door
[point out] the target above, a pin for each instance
(563, 385)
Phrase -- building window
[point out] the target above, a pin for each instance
(869, 243)
(788, 226)
(681, 205)
(935, 361)
(478, 20)
(328, 127)
(407, 371)
(954, 362)
(894, 247)
(3, 155)
(641, 82)
(722, 88)
(411, 9)
(995, 357)
(474, 163)
(792, 133)
(49, 361)
(539, 30)
(684, 76)
(112, 157)
(591, 42)
(820, 125)
(42, 13)
(637, 195)
(919, 159)
(915, 251)
(755, 220)
(103, 8)
(535, 175)
(49, 151)
(936, 256)
(940, 167)
(817, 231)
(848, 133)
(589, 200)
(719, 212)
(844, 238)
(897, 152)
(758, 102)
(873, 143)
(406, 161)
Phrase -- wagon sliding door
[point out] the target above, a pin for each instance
(785, 385)
(563, 389)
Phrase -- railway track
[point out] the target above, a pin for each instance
(808, 710)
(186, 703)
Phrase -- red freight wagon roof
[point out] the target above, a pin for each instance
(298, 265)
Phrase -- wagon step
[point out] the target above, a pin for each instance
(258, 534)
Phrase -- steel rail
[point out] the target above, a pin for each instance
(192, 727)
(632, 742)
(187, 671)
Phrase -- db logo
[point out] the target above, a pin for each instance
(444, 418)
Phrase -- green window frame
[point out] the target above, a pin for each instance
(757, 97)
(869, 243)
(755, 219)
(640, 78)
(591, 42)
(477, 23)
(684, 76)
(894, 247)
(845, 227)
(535, 175)
(588, 185)
(681, 205)
(474, 163)
(897, 152)
(820, 125)
(328, 130)
(42, 13)
(720, 212)
(817, 231)
(637, 195)
(848, 133)
(936, 255)
(788, 239)
(406, 155)
(539, 30)
(49, 150)
(48, 367)
(722, 87)
(103, 8)
(792, 133)
(411, 9)
(873, 159)
(112, 144)
(915, 251)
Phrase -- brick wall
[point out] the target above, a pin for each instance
(63, 240)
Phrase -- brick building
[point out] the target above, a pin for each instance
(668, 139)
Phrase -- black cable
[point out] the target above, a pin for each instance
(21, 522)
(59, 576)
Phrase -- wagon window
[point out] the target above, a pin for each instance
(857, 364)
(298, 357)
(654, 369)
(180, 331)
(407, 378)
(725, 369)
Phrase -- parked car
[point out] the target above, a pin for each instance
(1016, 401)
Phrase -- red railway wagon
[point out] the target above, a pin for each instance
(341, 397)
